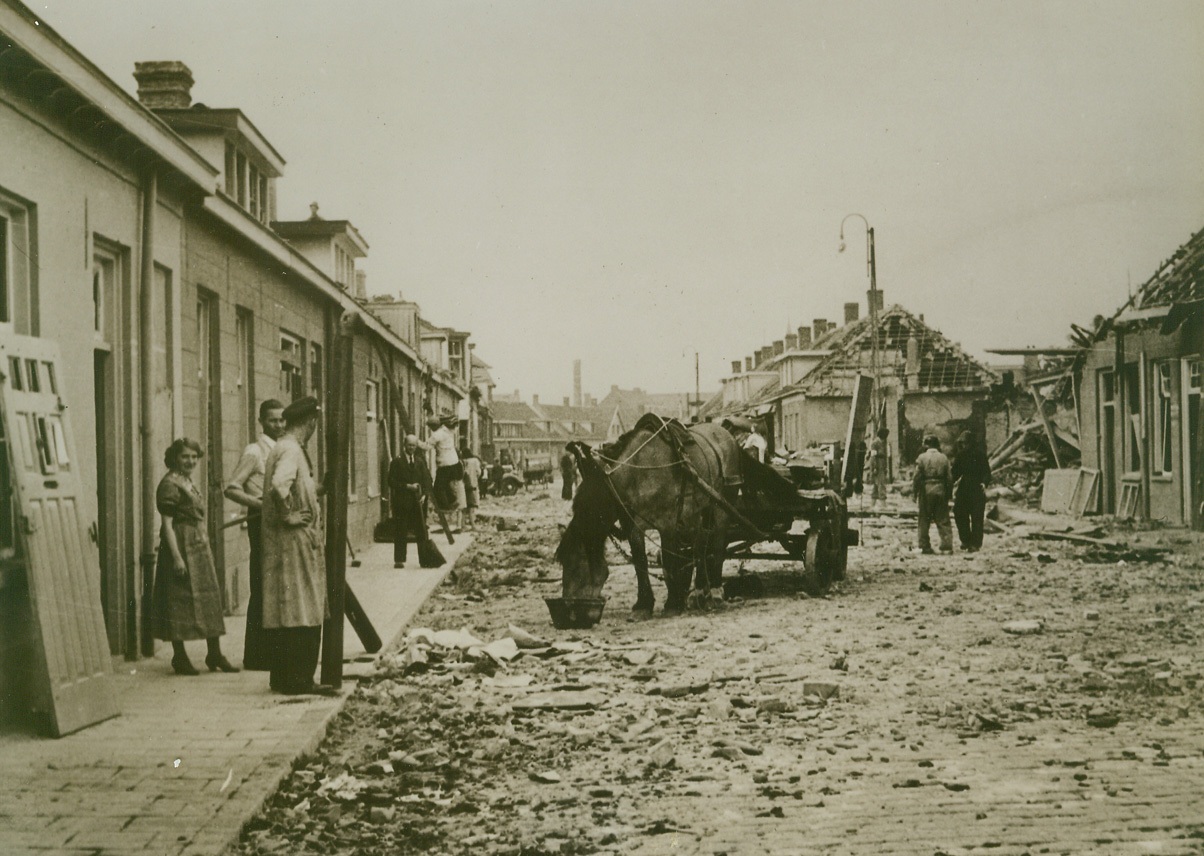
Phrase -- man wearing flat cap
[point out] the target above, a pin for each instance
(294, 567)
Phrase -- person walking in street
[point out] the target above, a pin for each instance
(448, 470)
(246, 488)
(971, 475)
(878, 466)
(568, 473)
(186, 598)
(472, 484)
(409, 486)
(294, 568)
(933, 484)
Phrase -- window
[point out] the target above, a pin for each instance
(372, 411)
(108, 274)
(253, 188)
(240, 177)
(292, 356)
(1161, 454)
(1132, 390)
(244, 334)
(455, 357)
(231, 171)
(17, 271)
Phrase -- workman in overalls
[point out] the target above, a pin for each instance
(933, 485)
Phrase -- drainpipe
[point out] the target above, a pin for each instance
(146, 291)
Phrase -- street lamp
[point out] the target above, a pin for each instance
(871, 269)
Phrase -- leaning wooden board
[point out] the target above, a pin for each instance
(62, 565)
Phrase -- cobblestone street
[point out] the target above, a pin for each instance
(1037, 697)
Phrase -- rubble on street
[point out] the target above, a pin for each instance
(990, 702)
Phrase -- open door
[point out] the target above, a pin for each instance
(61, 565)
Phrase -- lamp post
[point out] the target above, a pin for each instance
(872, 270)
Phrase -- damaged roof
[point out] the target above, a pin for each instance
(1179, 279)
(944, 366)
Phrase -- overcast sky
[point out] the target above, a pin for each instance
(630, 182)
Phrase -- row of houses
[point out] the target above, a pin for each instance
(799, 389)
(142, 236)
(524, 431)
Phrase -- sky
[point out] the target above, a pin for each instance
(631, 183)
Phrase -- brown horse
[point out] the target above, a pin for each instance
(655, 476)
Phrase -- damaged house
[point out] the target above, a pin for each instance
(802, 388)
(1140, 402)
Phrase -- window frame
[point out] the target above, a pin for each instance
(1162, 443)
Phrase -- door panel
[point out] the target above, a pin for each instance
(61, 564)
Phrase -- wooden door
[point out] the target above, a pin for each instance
(61, 564)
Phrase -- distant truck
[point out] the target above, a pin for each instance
(539, 469)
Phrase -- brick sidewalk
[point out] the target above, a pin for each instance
(190, 760)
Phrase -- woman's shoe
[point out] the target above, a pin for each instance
(219, 662)
(183, 666)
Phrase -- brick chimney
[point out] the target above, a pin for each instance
(851, 312)
(566, 401)
(164, 85)
(821, 327)
(779, 348)
(748, 364)
(791, 341)
(874, 297)
(735, 367)
(804, 338)
(361, 284)
(535, 399)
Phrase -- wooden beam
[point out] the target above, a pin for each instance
(339, 422)
(1049, 432)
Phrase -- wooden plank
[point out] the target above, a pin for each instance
(1049, 432)
(62, 565)
(1058, 489)
(339, 424)
(859, 414)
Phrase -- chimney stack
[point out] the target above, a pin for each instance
(821, 327)
(576, 383)
(534, 399)
(804, 338)
(764, 354)
(851, 312)
(735, 367)
(779, 348)
(164, 85)
(874, 298)
(748, 364)
(361, 284)
(566, 401)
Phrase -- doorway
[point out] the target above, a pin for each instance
(111, 380)
(209, 470)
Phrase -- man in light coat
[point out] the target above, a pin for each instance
(294, 567)
(933, 485)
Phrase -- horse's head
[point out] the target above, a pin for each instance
(582, 549)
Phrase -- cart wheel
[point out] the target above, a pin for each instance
(819, 559)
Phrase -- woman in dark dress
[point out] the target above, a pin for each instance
(187, 598)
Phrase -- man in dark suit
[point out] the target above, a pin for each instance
(409, 485)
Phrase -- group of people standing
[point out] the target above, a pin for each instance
(274, 482)
(454, 489)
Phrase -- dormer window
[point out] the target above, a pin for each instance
(247, 184)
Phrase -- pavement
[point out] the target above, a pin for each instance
(190, 759)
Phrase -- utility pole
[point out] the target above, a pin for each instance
(697, 390)
(875, 359)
